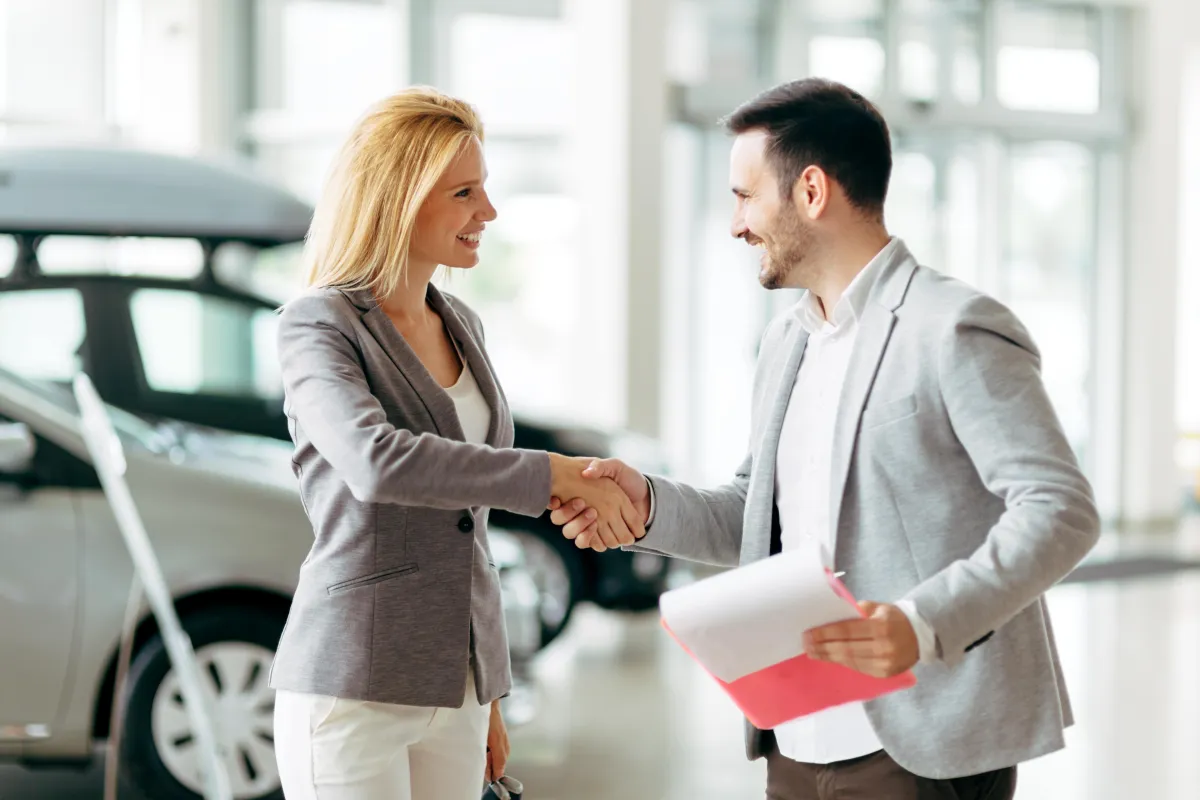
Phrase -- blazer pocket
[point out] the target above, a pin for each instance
(889, 411)
(373, 578)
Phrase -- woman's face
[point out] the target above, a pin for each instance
(451, 220)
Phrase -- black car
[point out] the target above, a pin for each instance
(127, 330)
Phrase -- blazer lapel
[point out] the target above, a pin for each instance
(477, 360)
(433, 396)
(875, 329)
(756, 544)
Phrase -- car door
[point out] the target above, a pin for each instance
(41, 336)
(40, 564)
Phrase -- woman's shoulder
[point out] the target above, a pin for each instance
(319, 304)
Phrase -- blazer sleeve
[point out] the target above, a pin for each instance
(329, 397)
(992, 389)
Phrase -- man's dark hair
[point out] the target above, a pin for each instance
(816, 122)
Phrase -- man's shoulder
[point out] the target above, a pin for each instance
(942, 306)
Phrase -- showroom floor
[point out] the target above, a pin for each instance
(624, 714)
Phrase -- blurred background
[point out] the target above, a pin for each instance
(1046, 152)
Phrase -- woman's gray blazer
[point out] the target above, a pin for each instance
(399, 595)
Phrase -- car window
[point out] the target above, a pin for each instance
(41, 331)
(8, 254)
(273, 273)
(120, 255)
(192, 343)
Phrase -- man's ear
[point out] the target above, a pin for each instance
(811, 192)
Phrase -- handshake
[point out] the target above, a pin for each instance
(598, 503)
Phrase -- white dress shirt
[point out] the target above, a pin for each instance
(803, 495)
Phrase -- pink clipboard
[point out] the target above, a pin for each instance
(801, 686)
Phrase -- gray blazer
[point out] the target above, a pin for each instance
(399, 595)
(953, 486)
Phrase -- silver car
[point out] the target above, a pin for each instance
(223, 514)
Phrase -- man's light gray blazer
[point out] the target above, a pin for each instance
(399, 596)
(954, 486)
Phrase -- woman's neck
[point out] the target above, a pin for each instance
(407, 304)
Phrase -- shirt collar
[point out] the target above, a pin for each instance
(854, 299)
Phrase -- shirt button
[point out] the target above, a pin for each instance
(466, 524)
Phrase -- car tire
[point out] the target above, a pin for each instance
(155, 750)
(558, 571)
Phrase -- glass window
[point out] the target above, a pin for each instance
(54, 53)
(967, 78)
(196, 344)
(911, 209)
(8, 255)
(340, 57)
(1047, 60)
(845, 11)
(855, 61)
(41, 331)
(169, 258)
(516, 93)
(1048, 259)
(934, 35)
(528, 259)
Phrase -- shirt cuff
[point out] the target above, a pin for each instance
(926, 638)
(650, 517)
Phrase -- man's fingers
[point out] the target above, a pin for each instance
(591, 538)
(843, 631)
(609, 533)
(633, 522)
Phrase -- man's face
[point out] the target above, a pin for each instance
(764, 218)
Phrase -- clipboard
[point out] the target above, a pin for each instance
(785, 684)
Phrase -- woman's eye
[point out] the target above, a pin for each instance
(464, 193)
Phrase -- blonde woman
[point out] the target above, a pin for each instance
(394, 656)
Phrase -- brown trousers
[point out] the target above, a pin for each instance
(878, 777)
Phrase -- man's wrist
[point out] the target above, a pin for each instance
(650, 511)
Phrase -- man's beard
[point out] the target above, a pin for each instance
(794, 243)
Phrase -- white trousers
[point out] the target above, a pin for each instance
(329, 748)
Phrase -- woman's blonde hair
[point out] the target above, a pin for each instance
(364, 219)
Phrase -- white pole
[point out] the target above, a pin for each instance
(108, 457)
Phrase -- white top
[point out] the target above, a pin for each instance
(473, 412)
(803, 494)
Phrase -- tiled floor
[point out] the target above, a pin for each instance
(624, 714)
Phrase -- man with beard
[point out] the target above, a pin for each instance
(899, 423)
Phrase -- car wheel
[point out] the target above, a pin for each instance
(556, 566)
(160, 757)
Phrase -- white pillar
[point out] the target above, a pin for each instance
(1150, 487)
(616, 159)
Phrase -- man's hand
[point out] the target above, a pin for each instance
(614, 521)
(497, 745)
(882, 645)
(579, 521)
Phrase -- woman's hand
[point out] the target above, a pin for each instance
(617, 520)
(497, 745)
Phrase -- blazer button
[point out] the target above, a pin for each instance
(466, 524)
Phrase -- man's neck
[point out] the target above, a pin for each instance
(841, 264)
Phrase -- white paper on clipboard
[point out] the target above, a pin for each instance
(750, 618)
